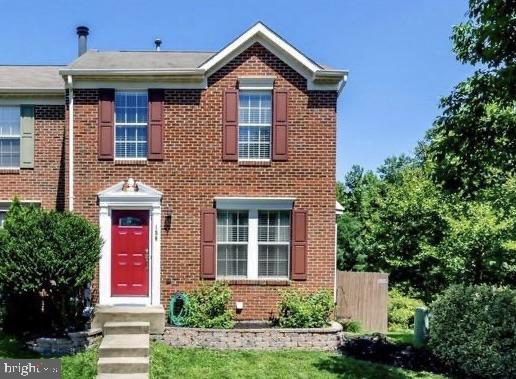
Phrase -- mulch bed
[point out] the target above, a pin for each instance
(376, 348)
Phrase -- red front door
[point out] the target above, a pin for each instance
(130, 253)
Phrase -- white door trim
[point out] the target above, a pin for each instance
(116, 198)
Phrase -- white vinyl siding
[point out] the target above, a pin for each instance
(9, 137)
(254, 127)
(131, 109)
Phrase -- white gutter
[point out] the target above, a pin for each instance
(70, 144)
(135, 71)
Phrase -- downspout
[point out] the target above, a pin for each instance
(335, 269)
(70, 145)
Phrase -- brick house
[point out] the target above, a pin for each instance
(196, 165)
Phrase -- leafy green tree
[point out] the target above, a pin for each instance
(449, 214)
(46, 258)
(488, 37)
(472, 145)
(480, 244)
(409, 226)
(358, 195)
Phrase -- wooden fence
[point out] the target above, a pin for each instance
(363, 296)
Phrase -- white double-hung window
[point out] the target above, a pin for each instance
(131, 109)
(254, 127)
(232, 241)
(9, 137)
(253, 243)
(273, 243)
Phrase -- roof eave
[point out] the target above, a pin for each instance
(129, 72)
(32, 91)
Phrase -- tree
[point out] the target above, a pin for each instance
(393, 222)
(358, 195)
(449, 214)
(472, 145)
(46, 257)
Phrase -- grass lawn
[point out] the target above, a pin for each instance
(168, 362)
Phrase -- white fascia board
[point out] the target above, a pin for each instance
(259, 29)
(135, 71)
(32, 91)
(32, 100)
(140, 83)
(318, 79)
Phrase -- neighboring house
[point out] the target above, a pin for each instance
(232, 155)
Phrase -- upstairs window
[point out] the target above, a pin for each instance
(254, 128)
(9, 137)
(131, 109)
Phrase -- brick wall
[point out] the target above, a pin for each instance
(193, 173)
(46, 181)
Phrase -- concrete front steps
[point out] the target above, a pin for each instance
(153, 314)
(124, 350)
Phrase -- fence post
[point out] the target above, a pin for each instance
(421, 326)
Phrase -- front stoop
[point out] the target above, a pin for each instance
(124, 350)
(153, 314)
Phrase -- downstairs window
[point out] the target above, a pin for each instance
(253, 244)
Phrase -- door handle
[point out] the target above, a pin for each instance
(147, 257)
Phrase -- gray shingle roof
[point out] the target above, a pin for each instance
(20, 78)
(141, 60)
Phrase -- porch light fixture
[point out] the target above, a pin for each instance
(168, 219)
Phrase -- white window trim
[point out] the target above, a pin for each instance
(253, 205)
(256, 84)
(130, 124)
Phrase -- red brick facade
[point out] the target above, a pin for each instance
(192, 172)
(46, 182)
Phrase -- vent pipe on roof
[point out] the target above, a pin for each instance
(157, 42)
(82, 32)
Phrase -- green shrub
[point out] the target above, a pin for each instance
(46, 258)
(305, 310)
(474, 328)
(401, 311)
(352, 326)
(208, 307)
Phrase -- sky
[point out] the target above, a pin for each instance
(398, 52)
